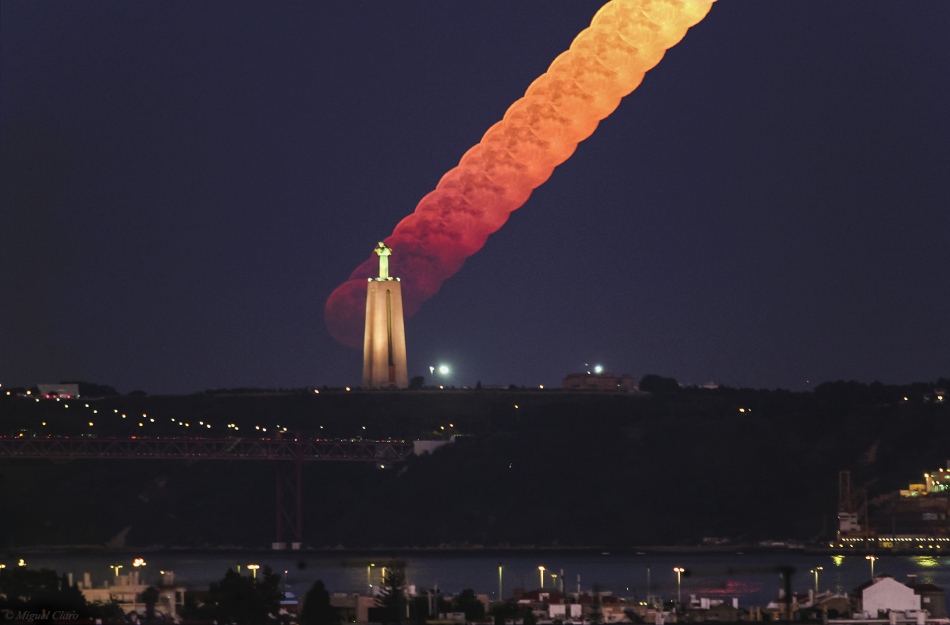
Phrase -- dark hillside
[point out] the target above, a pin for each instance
(527, 468)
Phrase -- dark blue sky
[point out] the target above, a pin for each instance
(183, 185)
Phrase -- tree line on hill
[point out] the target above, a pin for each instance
(525, 470)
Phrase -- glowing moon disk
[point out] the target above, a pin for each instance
(562, 107)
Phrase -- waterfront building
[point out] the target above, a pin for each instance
(720, 612)
(126, 591)
(932, 598)
(917, 517)
(884, 595)
(353, 607)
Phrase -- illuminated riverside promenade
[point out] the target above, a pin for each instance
(752, 578)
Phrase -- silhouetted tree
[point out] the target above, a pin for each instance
(33, 590)
(658, 385)
(466, 601)
(88, 389)
(505, 610)
(316, 607)
(111, 612)
(150, 597)
(392, 595)
(529, 618)
(243, 600)
(416, 382)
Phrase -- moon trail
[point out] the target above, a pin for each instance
(541, 130)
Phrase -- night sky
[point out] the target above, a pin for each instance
(184, 184)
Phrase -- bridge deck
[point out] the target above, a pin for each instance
(204, 449)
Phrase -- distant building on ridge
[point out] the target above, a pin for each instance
(66, 391)
(604, 381)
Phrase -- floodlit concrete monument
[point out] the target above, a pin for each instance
(384, 343)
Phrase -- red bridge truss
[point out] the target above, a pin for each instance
(205, 449)
(289, 473)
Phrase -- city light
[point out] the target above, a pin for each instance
(253, 568)
(679, 572)
(501, 595)
(541, 571)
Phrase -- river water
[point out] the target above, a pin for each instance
(753, 578)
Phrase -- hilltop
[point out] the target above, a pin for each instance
(527, 468)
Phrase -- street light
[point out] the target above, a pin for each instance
(541, 571)
(679, 573)
(116, 567)
(369, 568)
(253, 568)
(136, 563)
(501, 594)
(872, 559)
(815, 571)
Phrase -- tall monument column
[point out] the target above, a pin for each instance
(384, 343)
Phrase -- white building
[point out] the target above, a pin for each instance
(888, 595)
(69, 391)
(127, 592)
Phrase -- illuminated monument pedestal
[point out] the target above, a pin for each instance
(384, 342)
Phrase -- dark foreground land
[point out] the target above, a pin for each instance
(527, 468)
